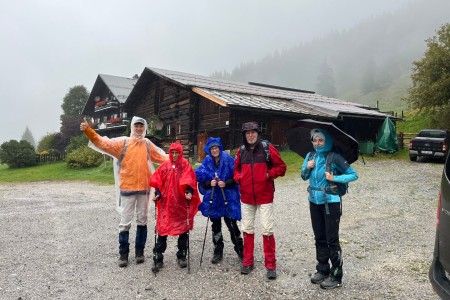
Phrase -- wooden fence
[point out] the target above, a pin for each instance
(404, 138)
(43, 158)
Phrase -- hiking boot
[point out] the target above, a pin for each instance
(318, 278)
(246, 269)
(271, 274)
(140, 258)
(182, 262)
(331, 282)
(216, 258)
(157, 267)
(123, 261)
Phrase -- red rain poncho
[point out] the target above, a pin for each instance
(172, 179)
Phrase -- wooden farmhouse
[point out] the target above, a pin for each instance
(190, 108)
(105, 104)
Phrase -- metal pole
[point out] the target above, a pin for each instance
(207, 221)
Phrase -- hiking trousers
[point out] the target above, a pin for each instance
(326, 234)
(130, 204)
(266, 215)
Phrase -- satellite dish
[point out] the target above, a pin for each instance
(97, 98)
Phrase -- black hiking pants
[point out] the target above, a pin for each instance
(326, 235)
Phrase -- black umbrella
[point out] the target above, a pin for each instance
(299, 139)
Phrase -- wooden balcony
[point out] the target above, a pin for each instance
(106, 126)
(107, 106)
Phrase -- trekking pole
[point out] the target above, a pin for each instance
(188, 251)
(207, 221)
(228, 212)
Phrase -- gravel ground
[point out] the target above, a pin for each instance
(59, 241)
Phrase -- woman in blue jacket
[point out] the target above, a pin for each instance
(325, 206)
(215, 179)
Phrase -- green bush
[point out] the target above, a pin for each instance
(18, 154)
(84, 157)
(77, 142)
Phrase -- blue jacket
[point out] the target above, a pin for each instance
(316, 175)
(206, 172)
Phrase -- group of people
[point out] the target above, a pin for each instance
(235, 189)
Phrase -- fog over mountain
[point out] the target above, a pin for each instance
(369, 62)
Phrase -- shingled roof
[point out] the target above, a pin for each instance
(120, 87)
(238, 94)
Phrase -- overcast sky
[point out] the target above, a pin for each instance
(51, 46)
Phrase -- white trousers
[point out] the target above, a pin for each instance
(248, 218)
(128, 205)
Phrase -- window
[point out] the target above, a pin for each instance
(168, 130)
(124, 115)
(105, 118)
(178, 128)
(263, 127)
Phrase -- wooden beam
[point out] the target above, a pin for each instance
(209, 97)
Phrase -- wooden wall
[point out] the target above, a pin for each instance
(172, 105)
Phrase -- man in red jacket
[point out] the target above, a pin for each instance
(255, 171)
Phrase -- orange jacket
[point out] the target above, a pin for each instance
(134, 170)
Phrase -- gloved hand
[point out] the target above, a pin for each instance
(157, 195)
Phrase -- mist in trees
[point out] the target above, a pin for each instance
(28, 136)
(370, 62)
(325, 81)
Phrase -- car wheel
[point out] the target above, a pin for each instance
(413, 158)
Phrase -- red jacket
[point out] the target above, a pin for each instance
(256, 178)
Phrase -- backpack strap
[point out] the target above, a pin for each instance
(265, 145)
(266, 150)
(329, 161)
(124, 150)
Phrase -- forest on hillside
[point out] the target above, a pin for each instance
(369, 63)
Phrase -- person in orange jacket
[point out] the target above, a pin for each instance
(177, 200)
(133, 157)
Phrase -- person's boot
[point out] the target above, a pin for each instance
(336, 273)
(124, 249)
(158, 263)
(140, 258)
(181, 259)
(218, 247)
(331, 282)
(269, 256)
(248, 260)
(141, 239)
(318, 277)
(182, 249)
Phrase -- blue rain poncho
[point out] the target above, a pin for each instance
(207, 172)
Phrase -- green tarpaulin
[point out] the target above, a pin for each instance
(387, 138)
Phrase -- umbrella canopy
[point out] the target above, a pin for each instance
(299, 139)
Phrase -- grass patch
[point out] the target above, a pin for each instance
(414, 122)
(402, 154)
(58, 171)
(293, 162)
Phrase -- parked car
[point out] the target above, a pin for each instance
(440, 269)
(431, 143)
